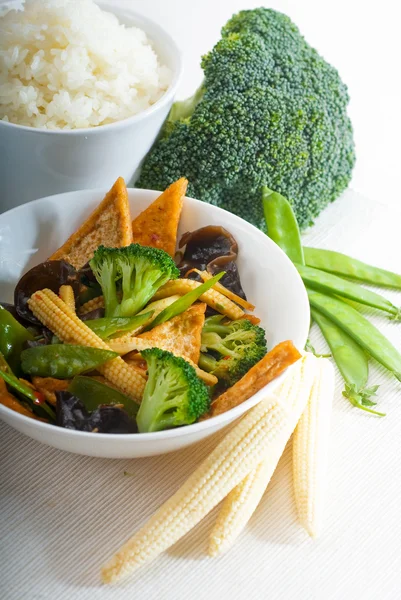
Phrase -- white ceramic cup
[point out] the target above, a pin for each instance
(39, 162)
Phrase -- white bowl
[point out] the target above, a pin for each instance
(31, 232)
(38, 162)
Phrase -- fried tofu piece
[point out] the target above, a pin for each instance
(181, 335)
(271, 366)
(48, 386)
(109, 224)
(157, 225)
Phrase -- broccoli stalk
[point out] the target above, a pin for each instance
(183, 109)
(130, 276)
(270, 111)
(230, 349)
(173, 396)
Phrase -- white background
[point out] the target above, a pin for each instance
(360, 38)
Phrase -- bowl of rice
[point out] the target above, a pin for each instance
(84, 90)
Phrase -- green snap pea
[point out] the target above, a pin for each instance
(4, 366)
(351, 361)
(331, 284)
(18, 385)
(12, 338)
(206, 362)
(282, 226)
(345, 266)
(31, 397)
(63, 361)
(93, 393)
(107, 326)
(215, 324)
(360, 329)
(183, 303)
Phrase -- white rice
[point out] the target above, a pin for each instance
(66, 64)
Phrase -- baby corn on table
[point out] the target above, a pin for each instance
(64, 516)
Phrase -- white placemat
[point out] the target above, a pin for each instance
(63, 515)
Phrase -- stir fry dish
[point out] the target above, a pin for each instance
(117, 332)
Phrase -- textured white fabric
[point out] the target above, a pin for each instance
(64, 515)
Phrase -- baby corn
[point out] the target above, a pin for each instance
(66, 293)
(91, 305)
(237, 509)
(241, 451)
(159, 305)
(213, 298)
(63, 322)
(310, 450)
(240, 504)
(205, 276)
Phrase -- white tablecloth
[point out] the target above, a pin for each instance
(63, 515)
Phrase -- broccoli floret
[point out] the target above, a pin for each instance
(270, 111)
(230, 349)
(174, 395)
(130, 276)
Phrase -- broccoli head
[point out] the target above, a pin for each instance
(270, 111)
(130, 276)
(174, 395)
(230, 349)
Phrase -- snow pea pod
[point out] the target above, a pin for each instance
(63, 361)
(13, 335)
(33, 398)
(331, 284)
(19, 386)
(93, 393)
(351, 361)
(346, 266)
(108, 326)
(360, 329)
(4, 366)
(282, 226)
